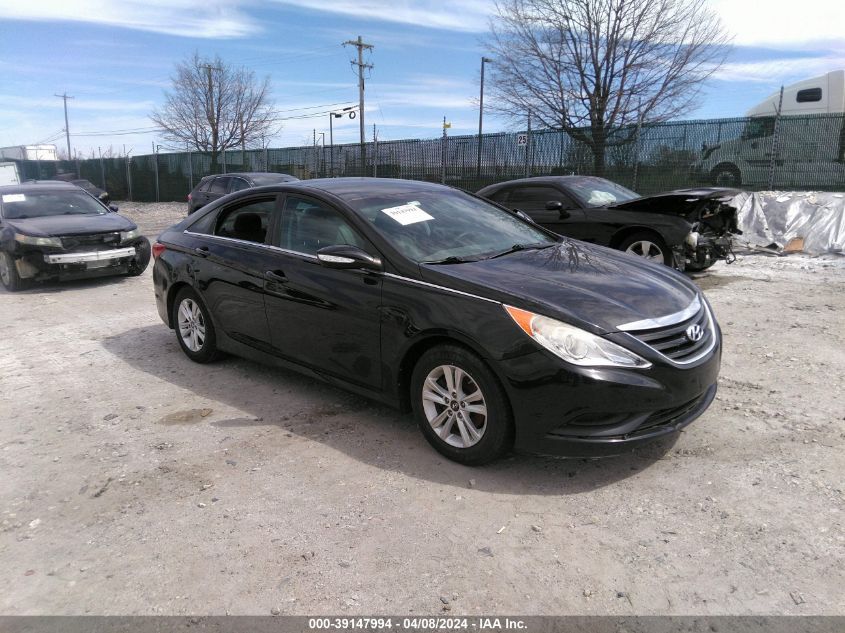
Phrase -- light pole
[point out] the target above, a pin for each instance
(484, 60)
(336, 115)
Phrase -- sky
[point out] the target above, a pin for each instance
(115, 58)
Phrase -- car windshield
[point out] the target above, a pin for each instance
(37, 204)
(446, 226)
(598, 192)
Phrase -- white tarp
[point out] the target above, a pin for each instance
(776, 217)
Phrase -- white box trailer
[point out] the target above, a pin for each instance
(810, 151)
(9, 174)
(29, 152)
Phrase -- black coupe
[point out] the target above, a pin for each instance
(494, 331)
(689, 229)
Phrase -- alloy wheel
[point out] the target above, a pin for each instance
(649, 250)
(454, 406)
(191, 325)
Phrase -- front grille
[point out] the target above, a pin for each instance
(672, 340)
(96, 242)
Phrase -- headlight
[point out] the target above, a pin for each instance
(130, 235)
(20, 238)
(573, 344)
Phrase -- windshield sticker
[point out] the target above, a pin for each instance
(14, 197)
(406, 214)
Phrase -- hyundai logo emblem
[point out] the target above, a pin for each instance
(695, 333)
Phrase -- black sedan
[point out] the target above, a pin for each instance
(494, 331)
(211, 188)
(59, 231)
(689, 229)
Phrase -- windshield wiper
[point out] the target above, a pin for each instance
(522, 247)
(452, 259)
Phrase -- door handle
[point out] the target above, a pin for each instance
(276, 275)
(202, 251)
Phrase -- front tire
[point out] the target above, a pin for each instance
(649, 246)
(194, 329)
(726, 175)
(138, 265)
(460, 406)
(9, 273)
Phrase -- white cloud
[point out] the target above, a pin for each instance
(187, 18)
(458, 15)
(782, 22)
(780, 70)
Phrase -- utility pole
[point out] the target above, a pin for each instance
(65, 97)
(360, 45)
(484, 60)
(443, 145)
(375, 152)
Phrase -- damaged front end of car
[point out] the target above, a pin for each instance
(712, 217)
(68, 257)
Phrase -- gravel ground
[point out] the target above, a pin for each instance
(137, 482)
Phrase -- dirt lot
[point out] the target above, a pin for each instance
(137, 482)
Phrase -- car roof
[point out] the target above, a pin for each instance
(546, 180)
(43, 185)
(352, 186)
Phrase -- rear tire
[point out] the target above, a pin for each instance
(460, 406)
(647, 245)
(193, 326)
(9, 273)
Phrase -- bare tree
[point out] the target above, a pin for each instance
(593, 67)
(214, 106)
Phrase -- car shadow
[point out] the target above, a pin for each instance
(52, 287)
(362, 429)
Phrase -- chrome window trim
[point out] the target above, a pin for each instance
(436, 287)
(669, 319)
(233, 240)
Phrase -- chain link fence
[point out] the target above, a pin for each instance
(793, 152)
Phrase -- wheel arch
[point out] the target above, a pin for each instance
(729, 166)
(624, 233)
(425, 342)
(172, 291)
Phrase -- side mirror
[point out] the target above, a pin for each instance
(347, 256)
(113, 208)
(557, 205)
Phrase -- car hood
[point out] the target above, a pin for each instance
(680, 202)
(586, 285)
(71, 224)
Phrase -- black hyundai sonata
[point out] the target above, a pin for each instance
(494, 331)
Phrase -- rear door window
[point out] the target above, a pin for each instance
(238, 184)
(220, 185)
(247, 221)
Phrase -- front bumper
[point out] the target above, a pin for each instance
(93, 256)
(40, 264)
(563, 410)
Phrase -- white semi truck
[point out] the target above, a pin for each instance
(43, 151)
(809, 152)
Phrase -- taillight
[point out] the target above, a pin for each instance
(190, 197)
(158, 249)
